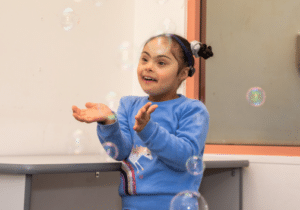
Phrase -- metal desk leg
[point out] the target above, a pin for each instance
(27, 196)
(241, 188)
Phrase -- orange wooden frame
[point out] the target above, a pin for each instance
(196, 17)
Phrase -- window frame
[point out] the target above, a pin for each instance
(196, 30)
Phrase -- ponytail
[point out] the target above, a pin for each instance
(205, 52)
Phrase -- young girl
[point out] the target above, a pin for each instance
(154, 150)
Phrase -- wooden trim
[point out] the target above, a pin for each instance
(202, 40)
(193, 33)
(251, 150)
(196, 16)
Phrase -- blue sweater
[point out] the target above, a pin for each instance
(154, 160)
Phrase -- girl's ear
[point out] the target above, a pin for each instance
(184, 73)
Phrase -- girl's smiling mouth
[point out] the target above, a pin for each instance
(148, 79)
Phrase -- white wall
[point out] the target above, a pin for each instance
(44, 70)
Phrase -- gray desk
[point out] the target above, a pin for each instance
(221, 184)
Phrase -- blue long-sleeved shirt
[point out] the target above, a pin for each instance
(154, 160)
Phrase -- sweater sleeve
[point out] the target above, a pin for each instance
(189, 139)
(118, 132)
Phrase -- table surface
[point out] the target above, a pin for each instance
(41, 164)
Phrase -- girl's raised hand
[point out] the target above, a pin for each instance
(95, 112)
(143, 116)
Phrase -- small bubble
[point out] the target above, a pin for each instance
(78, 138)
(168, 26)
(111, 99)
(99, 3)
(160, 45)
(256, 96)
(195, 165)
(161, 1)
(111, 149)
(125, 50)
(69, 19)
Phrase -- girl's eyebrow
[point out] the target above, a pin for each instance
(157, 56)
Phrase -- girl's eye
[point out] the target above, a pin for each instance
(144, 59)
(161, 62)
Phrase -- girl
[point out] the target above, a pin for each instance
(154, 150)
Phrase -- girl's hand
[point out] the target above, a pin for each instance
(95, 112)
(143, 116)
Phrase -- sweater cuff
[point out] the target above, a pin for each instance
(111, 117)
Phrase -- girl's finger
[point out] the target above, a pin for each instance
(147, 105)
(144, 112)
(76, 109)
(138, 114)
(78, 118)
(152, 109)
(88, 105)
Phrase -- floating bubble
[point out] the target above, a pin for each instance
(110, 96)
(99, 3)
(197, 119)
(125, 53)
(195, 165)
(111, 149)
(186, 200)
(168, 26)
(124, 46)
(202, 203)
(160, 45)
(77, 140)
(112, 117)
(256, 96)
(69, 19)
(111, 99)
(161, 1)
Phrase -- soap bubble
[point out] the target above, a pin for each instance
(125, 50)
(197, 119)
(185, 200)
(78, 139)
(168, 26)
(99, 3)
(202, 203)
(160, 45)
(111, 99)
(161, 1)
(69, 19)
(111, 149)
(256, 96)
(195, 165)
(188, 200)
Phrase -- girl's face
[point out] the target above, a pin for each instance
(157, 62)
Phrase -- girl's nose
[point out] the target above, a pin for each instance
(149, 66)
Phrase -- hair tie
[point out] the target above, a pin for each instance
(195, 46)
